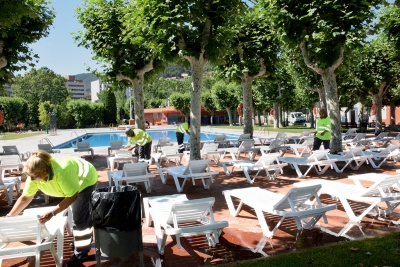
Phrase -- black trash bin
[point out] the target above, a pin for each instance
(117, 222)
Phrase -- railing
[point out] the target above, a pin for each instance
(47, 140)
(111, 126)
(73, 132)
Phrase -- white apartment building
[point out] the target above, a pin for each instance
(96, 87)
(76, 87)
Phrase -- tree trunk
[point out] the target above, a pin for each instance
(138, 102)
(3, 60)
(276, 117)
(322, 97)
(212, 118)
(246, 83)
(197, 66)
(228, 110)
(332, 101)
(378, 120)
(392, 113)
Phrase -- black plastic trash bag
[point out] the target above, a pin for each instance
(116, 208)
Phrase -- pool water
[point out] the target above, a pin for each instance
(103, 139)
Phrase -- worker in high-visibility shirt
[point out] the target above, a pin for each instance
(180, 131)
(323, 133)
(70, 178)
(138, 137)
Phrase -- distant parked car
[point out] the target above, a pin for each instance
(296, 118)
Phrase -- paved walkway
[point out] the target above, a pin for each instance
(241, 240)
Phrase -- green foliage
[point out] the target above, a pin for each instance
(110, 107)
(39, 86)
(79, 110)
(221, 90)
(255, 48)
(14, 109)
(326, 26)
(174, 70)
(181, 102)
(21, 24)
(105, 34)
(390, 22)
(207, 101)
(378, 63)
(185, 28)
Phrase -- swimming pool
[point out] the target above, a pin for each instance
(103, 139)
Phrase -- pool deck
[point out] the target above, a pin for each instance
(243, 238)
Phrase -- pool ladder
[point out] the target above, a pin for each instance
(47, 140)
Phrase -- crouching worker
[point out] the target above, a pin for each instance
(71, 178)
(141, 139)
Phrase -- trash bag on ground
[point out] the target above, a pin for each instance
(116, 208)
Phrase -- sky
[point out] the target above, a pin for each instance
(58, 51)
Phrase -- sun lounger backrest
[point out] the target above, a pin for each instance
(353, 152)
(123, 153)
(45, 147)
(164, 140)
(220, 137)
(281, 135)
(297, 196)
(308, 141)
(209, 147)
(22, 228)
(379, 187)
(317, 155)
(169, 150)
(116, 143)
(246, 144)
(267, 159)
(381, 135)
(197, 166)
(389, 149)
(10, 160)
(10, 150)
(191, 211)
(276, 143)
(305, 133)
(135, 169)
(83, 145)
(244, 137)
(358, 137)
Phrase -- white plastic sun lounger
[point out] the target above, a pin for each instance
(315, 160)
(246, 146)
(372, 196)
(295, 204)
(267, 163)
(27, 228)
(382, 155)
(133, 173)
(184, 218)
(195, 170)
(354, 155)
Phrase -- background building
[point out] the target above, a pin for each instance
(96, 87)
(76, 87)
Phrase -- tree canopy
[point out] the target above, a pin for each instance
(21, 24)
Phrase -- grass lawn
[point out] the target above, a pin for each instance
(13, 136)
(377, 251)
